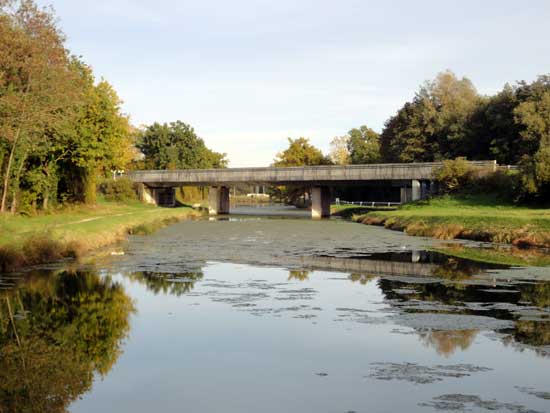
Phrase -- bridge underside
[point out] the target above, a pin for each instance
(219, 195)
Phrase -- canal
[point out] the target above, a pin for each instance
(256, 313)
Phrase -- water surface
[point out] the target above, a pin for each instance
(276, 314)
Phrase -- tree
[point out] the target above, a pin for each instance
(339, 152)
(435, 125)
(176, 146)
(300, 152)
(363, 145)
(35, 86)
(100, 138)
(533, 114)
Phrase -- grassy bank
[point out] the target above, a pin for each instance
(467, 217)
(73, 232)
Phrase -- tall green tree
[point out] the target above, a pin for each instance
(36, 88)
(363, 145)
(435, 125)
(100, 139)
(176, 146)
(533, 114)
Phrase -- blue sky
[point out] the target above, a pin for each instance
(249, 74)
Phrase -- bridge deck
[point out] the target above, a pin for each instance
(333, 174)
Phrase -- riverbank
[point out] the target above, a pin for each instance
(474, 218)
(77, 230)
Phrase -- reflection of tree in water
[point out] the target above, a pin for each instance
(167, 283)
(530, 332)
(298, 275)
(455, 269)
(537, 294)
(362, 278)
(446, 342)
(56, 331)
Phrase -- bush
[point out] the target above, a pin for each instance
(453, 175)
(121, 189)
(505, 185)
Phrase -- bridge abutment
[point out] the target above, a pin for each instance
(320, 202)
(147, 194)
(157, 196)
(218, 200)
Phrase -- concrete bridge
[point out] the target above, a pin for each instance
(414, 179)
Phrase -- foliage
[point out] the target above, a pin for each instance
(448, 119)
(339, 152)
(176, 146)
(59, 130)
(363, 145)
(533, 114)
(434, 125)
(121, 189)
(300, 152)
(503, 185)
(453, 174)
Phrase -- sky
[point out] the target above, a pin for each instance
(249, 74)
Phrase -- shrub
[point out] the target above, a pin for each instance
(121, 189)
(453, 174)
(506, 185)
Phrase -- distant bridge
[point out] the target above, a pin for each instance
(414, 179)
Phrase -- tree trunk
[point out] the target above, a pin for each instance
(90, 182)
(16, 186)
(45, 201)
(5, 188)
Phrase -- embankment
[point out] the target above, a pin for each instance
(473, 218)
(73, 232)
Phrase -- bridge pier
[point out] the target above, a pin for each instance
(417, 191)
(218, 200)
(320, 202)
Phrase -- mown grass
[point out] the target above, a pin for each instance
(72, 232)
(481, 218)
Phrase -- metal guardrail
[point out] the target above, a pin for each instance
(368, 203)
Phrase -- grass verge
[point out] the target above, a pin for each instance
(74, 231)
(468, 217)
